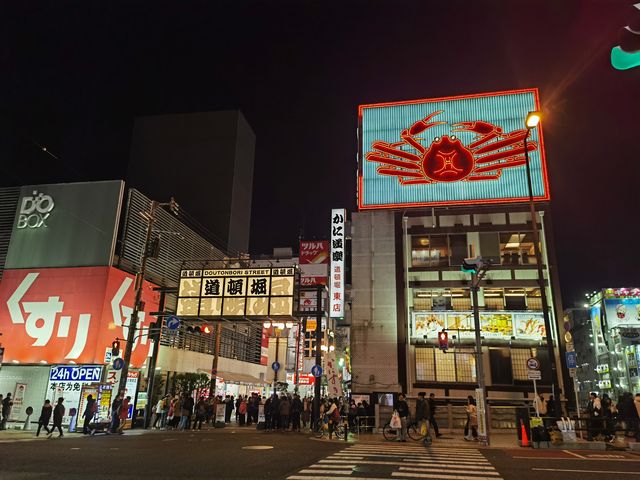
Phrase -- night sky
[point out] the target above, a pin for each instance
(75, 74)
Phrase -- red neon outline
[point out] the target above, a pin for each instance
(543, 159)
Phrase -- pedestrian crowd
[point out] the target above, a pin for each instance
(606, 417)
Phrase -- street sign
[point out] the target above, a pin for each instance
(275, 366)
(534, 375)
(316, 371)
(572, 359)
(533, 364)
(173, 322)
(118, 364)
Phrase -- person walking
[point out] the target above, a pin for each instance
(285, 411)
(551, 409)
(403, 412)
(7, 405)
(306, 412)
(432, 414)
(594, 411)
(243, 411)
(190, 405)
(89, 411)
(333, 416)
(296, 410)
(423, 413)
(184, 413)
(115, 412)
(124, 414)
(471, 428)
(58, 413)
(45, 416)
(201, 413)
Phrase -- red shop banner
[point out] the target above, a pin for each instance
(71, 315)
(314, 252)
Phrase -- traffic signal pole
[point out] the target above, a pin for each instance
(318, 380)
(475, 285)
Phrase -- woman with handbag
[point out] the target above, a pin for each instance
(471, 428)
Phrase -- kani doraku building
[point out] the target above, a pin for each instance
(438, 181)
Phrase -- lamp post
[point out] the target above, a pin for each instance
(531, 122)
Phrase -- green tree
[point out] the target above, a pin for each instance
(186, 383)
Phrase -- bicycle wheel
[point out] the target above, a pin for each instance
(318, 429)
(340, 431)
(413, 431)
(389, 433)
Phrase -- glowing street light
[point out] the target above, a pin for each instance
(533, 118)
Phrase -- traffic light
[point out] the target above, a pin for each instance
(443, 340)
(206, 329)
(153, 248)
(115, 348)
(192, 329)
(471, 265)
(626, 54)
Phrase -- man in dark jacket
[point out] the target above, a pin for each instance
(296, 409)
(45, 416)
(7, 404)
(89, 412)
(403, 411)
(58, 413)
(432, 414)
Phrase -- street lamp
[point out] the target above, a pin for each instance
(531, 122)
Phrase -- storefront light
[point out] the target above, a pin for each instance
(15, 361)
(331, 348)
(323, 348)
(289, 324)
(267, 324)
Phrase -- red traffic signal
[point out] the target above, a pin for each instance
(443, 340)
(206, 329)
(115, 348)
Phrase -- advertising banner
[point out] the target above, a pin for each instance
(622, 312)
(18, 400)
(334, 382)
(264, 347)
(67, 381)
(502, 325)
(336, 271)
(446, 151)
(65, 225)
(314, 252)
(237, 292)
(63, 315)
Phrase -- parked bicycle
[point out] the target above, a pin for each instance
(413, 431)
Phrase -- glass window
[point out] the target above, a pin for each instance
(534, 301)
(519, 357)
(429, 251)
(425, 365)
(445, 367)
(459, 250)
(490, 246)
(514, 299)
(501, 367)
(510, 248)
(465, 366)
(460, 299)
(493, 298)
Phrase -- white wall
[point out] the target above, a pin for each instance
(178, 360)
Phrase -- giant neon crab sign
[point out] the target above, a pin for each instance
(447, 159)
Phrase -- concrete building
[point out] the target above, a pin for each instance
(205, 160)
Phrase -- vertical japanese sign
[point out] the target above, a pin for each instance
(336, 274)
(334, 382)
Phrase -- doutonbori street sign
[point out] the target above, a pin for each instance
(238, 293)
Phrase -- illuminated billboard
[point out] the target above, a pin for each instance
(450, 151)
(237, 293)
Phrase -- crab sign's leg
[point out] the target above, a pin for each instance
(487, 131)
(510, 139)
(374, 157)
(509, 153)
(384, 147)
(515, 162)
(419, 127)
(415, 181)
(493, 176)
(398, 173)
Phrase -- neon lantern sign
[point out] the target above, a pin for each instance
(456, 150)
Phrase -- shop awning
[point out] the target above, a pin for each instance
(241, 378)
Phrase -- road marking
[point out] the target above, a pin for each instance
(168, 439)
(439, 476)
(315, 465)
(483, 467)
(75, 448)
(572, 453)
(406, 458)
(446, 471)
(609, 472)
(574, 460)
(258, 447)
(337, 472)
(384, 462)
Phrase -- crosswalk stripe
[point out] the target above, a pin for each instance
(337, 472)
(405, 463)
(439, 476)
(446, 471)
(315, 465)
(434, 464)
(349, 477)
(411, 452)
(361, 456)
(403, 448)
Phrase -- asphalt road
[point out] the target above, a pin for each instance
(247, 454)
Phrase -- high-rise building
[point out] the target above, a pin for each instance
(205, 160)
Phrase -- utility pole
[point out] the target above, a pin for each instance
(150, 216)
(318, 380)
(214, 365)
(478, 269)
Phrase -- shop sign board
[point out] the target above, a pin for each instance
(572, 359)
(334, 381)
(450, 151)
(336, 270)
(237, 293)
(622, 312)
(314, 252)
(598, 332)
(18, 400)
(264, 347)
(70, 315)
(306, 379)
(67, 381)
(65, 225)
(499, 324)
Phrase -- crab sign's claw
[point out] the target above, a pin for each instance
(483, 128)
(422, 125)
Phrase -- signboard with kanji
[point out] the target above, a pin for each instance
(237, 292)
(336, 272)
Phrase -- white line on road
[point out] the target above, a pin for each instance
(315, 465)
(583, 459)
(382, 462)
(337, 472)
(439, 476)
(608, 472)
(406, 458)
(574, 454)
(483, 467)
(447, 471)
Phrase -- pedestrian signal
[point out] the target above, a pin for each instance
(443, 340)
(115, 348)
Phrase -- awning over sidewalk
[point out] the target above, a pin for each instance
(241, 378)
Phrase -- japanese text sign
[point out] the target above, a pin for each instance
(336, 272)
(314, 251)
(70, 315)
(249, 292)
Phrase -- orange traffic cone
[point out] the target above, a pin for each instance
(524, 441)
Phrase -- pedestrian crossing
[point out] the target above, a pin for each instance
(400, 461)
